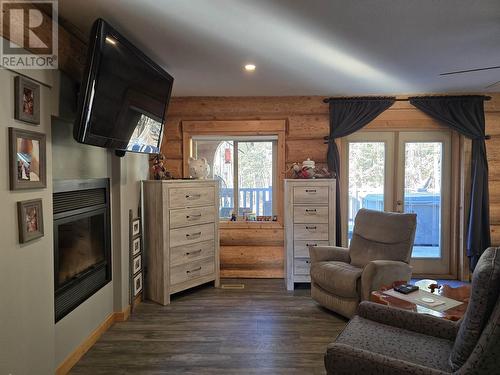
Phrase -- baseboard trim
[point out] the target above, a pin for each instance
(73, 358)
(122, 316)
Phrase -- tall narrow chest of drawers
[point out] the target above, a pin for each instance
(181, 236)
(309, 221)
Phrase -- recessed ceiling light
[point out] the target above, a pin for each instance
(110, 40)
(250, 67)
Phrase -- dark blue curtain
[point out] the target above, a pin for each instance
(348, 115)
(465, 114)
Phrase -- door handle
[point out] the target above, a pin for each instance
(399, 206)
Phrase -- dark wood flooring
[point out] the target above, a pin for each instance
(261, 329)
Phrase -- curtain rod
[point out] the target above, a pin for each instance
(326, 100)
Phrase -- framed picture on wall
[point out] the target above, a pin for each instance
(137, 264)
(27, 100)
(136, 246)
(136, 227)
(30, 220)
(137, 284)
(27, 159)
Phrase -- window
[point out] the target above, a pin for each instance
(246, 169)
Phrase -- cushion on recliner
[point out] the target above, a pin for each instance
(392, 342)
(382, 236)
(338, 278)
(484, 295)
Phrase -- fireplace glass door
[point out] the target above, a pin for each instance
(81, 245)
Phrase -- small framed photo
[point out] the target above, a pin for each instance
(137, 284)
(27, 100)
(136, 246)
(27, 161)
(137, 264)
(136, 227)
(30, 220)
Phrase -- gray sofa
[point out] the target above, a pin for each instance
(378, 255)
(387, 340)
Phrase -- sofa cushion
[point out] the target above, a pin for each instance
(338, 278)
(382, 236)
(484, 295)
(396, 343)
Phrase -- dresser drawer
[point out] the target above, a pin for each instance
(311, 194)
(191, 270)
(301, 248)
(190, 216)
(189, 253)
(301, 266)
(190, 235)
(191, 197)
(310, 232)
(310, 214)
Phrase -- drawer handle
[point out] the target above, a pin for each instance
(193, 252)
(195, 270)
(193, 196)
(311, 244)
(308, 261)
(311, 228)
(198, 234)
(310, 190)
(193, 217)
(311, 210)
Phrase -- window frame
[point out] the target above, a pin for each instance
(242, 128)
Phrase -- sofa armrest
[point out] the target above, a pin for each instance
(329, 253)
(409, 320)
(346, 359)
(382, 273)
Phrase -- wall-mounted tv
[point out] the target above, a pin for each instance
(123, 97)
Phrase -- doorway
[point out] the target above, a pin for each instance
(403, 172)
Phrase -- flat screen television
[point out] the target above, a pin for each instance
(123, 97)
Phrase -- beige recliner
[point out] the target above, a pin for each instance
(378, 255)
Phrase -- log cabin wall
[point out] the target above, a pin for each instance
(258, 251)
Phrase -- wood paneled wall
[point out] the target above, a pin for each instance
(258, 252)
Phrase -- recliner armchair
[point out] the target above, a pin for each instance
(387, 340)
(378, 255)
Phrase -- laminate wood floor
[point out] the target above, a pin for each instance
(261, 329)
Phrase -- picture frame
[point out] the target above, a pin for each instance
(136, 264)
(137, 284)
(27, 159)
(27, 100)
(30, 220)
(136, 227)
(136, 246)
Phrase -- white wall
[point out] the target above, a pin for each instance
(26, 271)
(127, 174)
(30, 341)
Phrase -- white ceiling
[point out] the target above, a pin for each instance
(308, 47)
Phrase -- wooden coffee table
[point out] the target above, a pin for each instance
(461, 294)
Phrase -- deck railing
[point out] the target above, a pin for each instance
(257, 200)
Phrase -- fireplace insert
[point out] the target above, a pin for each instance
(82, 251)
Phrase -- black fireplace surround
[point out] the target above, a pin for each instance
(82, 245)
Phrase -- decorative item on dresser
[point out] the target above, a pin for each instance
(181, 236)
(309, 221)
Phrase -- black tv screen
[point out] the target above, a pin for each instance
(124, 95)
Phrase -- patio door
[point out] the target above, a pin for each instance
(423, 181)
(403, 172)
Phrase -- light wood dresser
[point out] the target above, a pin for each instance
(309, 221)
(181, 235)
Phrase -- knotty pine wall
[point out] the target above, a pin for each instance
(258, 252)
